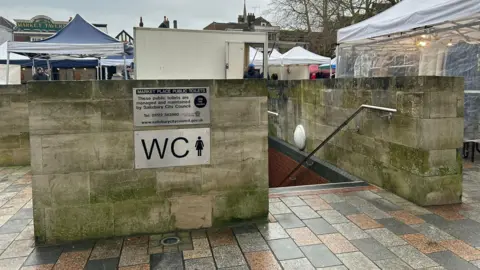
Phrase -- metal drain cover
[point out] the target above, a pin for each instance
(169, 241)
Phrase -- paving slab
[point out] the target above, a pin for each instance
(320, 256)
(373, 249)
(451, 261)
(285, 249)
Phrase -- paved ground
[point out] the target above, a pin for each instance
(362, 228)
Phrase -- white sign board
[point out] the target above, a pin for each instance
(171, 106)
(173, 147)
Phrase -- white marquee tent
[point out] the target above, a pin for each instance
(412, 15)
(13, 56)
(419, 38)
(411, 38)
(299, 56)
(256, 57)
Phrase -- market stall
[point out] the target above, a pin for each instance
(415, 38)
(295, 64)
(78, 39)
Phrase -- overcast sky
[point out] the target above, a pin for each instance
(125, 14)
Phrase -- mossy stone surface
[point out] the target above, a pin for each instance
(240, 205)
(124, 185)
(64, 224)
(140, 217)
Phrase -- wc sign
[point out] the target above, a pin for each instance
(172, 148)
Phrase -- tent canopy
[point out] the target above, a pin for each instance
(258, 60)
(78, 38)
(116, 60)
(409, 15)
(300, 56)
(13, 56)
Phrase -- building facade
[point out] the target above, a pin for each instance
(281, 39)
(41, 27)
(6, 30)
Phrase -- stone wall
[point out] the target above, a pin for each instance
(84, 181)
(14, 138)
(414, 154)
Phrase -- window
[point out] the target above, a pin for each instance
(263, 24)
(36, 38)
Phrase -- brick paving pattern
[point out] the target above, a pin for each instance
(337, 229)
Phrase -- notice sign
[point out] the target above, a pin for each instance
(170, 148)
(171, 106)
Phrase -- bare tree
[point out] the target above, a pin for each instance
(323, 16)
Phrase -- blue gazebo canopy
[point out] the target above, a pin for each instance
(79, 31)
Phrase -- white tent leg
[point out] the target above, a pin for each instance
(49, 70)
(8, 66)
(125, 66)
(33, 66)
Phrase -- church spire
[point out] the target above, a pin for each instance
(245, 11)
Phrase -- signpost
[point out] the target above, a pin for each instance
(171, 106)
(170, 148)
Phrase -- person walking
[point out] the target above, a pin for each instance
(252, 73)
(40, 75)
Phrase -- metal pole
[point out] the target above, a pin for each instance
(33, 66)
(8, 65)
(49, 70)
(125, 66)
(99, 71)
(333, 134)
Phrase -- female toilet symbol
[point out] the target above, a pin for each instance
(199, 146)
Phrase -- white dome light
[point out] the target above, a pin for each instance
(299, 137)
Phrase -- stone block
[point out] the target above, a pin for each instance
(238, 205)
(221, 177)
(240, 88)
(21, 157)
(443, 133)
(254, 143)
(228, 146)
(264, 111)
(399, 182)
(60, 90)
(114, 186)
(40, 230)
(191, 212)
(36, 156)
(116, 115)
(180, 181)
(113, 89)
(59, 190)
(65, 224)
(441, 190)
(141, 217)
(87, 151)
(229, 112)
(253, 174)
(413, 104)
(384, 98)
(64, 117)
(444, 104)
(423, 162)
(6, 157)
(399, 129)
(335, 116)
(9, 141)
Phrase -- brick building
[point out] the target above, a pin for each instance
(281, 39)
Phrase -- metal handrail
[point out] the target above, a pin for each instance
(334, 133)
